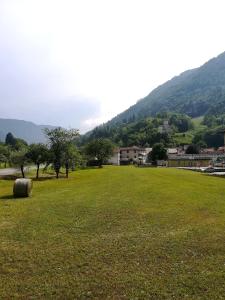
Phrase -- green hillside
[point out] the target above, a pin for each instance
(195, 92)
(204, 131)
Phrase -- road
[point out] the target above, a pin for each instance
(8, 171)
(13, 171)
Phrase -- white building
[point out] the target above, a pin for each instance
(134, 154)
(115, 159)
(171, 151)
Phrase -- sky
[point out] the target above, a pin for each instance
(78, 63)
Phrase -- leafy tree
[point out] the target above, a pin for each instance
(183, 123)
(38, 154)
(158, 152)
(60, 139)
(100, 149)
(20, 144)
(10, 140)
(211, 137)
(201, 144)
(15, 143)
(19, 158)
(71, 156)
(192, 149)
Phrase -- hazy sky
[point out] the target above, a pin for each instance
(79, 63)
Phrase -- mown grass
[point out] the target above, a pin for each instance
(115, 233)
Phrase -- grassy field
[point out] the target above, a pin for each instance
(115, 233)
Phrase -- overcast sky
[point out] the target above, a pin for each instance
(79, 63)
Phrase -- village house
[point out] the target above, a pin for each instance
(134, 154)
(207, 151)
(172, 151)
(221, 150)
(127, 155)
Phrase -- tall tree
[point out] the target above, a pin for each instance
(71, 156)
(59, 140)
(158, 152)
(100, 149)
(192, 149)
(10, 140)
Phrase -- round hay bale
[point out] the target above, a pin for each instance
(22, 187)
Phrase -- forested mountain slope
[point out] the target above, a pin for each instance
(195, 92)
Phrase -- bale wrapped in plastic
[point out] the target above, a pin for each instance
(22, 187)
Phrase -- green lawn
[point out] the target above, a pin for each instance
(115, 233)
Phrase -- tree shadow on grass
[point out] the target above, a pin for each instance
(7, 197)
(11, 197)
(44, 178)
(9, 177)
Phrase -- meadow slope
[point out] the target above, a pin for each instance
(115, 233)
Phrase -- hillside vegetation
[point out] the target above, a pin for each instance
(115, 233)
(204, 131)
(196, 96)
(195, 93)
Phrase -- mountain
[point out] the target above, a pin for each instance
(195, 96)
(195, 93)
(28, 131)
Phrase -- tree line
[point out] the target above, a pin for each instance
(60, 151)
(143, 133)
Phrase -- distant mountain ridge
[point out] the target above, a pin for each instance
(195, 92)
(26, 130)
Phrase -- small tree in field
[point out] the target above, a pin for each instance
(38, 154)
(158, 152)
(59, 141)
(71, 155)
(19, 159)
(100, 149)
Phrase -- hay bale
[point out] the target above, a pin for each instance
(22, 187)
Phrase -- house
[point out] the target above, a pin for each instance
(171, 151)
(133, 154)
(221, 150)
(208, 151)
